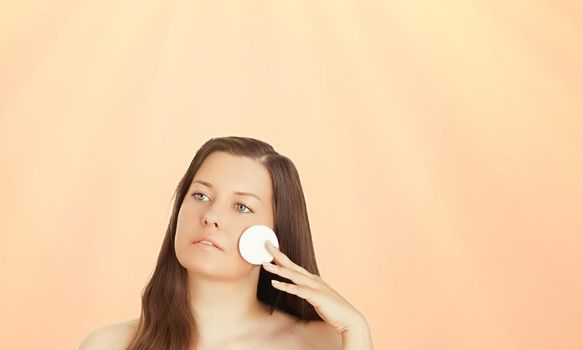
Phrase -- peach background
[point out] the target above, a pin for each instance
(438, 143)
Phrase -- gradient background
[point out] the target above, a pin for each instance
(439, 145)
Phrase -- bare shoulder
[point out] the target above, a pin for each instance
(320, 335)
(112, 336)
(290, 333)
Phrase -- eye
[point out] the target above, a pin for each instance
(250, 211)
(244, 212)
(195, 193)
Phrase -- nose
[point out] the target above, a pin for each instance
(210, 218)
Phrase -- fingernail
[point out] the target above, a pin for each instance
(269, 243)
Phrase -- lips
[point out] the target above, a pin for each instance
(210, 239)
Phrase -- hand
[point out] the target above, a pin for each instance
(330, 305)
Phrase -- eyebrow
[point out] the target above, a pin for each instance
(208, 184)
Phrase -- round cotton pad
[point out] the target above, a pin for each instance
(252, 244)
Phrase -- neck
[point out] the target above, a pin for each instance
(225, 309)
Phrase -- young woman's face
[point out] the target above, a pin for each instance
(215, 209)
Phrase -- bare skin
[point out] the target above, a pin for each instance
(282, 332)
(222, 285)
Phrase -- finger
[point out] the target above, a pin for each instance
(294, 276)
(283, 260)
(301, 291)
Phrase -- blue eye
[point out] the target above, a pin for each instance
(250, 211)
(243, 212)
(195, 193)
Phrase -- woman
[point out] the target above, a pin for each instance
(202, 297)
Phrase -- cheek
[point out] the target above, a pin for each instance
(187, 218)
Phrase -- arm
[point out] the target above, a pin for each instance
(357, 337)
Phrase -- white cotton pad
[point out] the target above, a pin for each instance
(252, 244)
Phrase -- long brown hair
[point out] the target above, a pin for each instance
(167, 320)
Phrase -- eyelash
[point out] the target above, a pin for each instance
(250, 210)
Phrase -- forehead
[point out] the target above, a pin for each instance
(229, 173)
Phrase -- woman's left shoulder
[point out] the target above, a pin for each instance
(320, 335)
